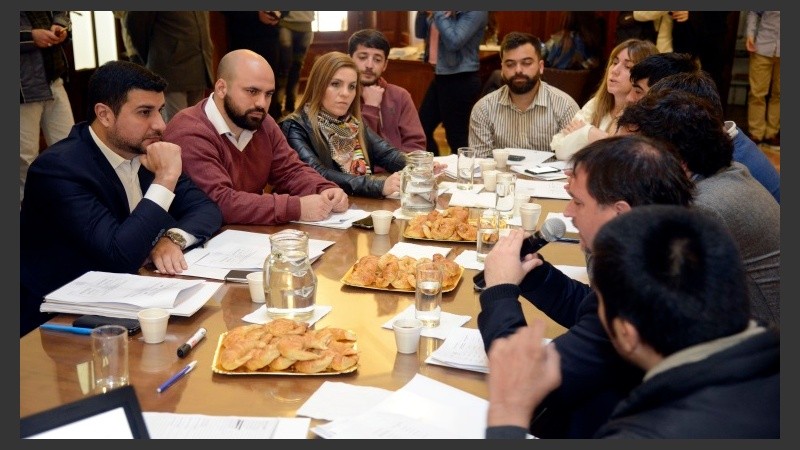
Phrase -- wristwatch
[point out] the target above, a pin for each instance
(176, 237)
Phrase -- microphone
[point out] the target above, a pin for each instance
(552, 230)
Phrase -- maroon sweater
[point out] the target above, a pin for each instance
(237, 180)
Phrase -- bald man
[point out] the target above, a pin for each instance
(238, 155)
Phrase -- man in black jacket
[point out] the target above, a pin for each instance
(609, 177)
(672, 297)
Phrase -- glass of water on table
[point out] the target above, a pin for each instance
(428, 301)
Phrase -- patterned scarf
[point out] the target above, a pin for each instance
(342, 137)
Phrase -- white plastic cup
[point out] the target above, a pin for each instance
(529, 215)
(154, 324)
(255, 281)
(490, 180)
(382, 221)
(487, 165)
(109, 357)
(501, 158)
(520, 198)
(406, 334)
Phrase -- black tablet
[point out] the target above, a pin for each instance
(113, 415)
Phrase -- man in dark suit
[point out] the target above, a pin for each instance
(111, 196)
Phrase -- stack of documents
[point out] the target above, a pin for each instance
(340, 221)
(123, 295)
(463, 349)
(237, 250)
(162, 425)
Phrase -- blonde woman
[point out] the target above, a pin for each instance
(598, 117)
(328, 133)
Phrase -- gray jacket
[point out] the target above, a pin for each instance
(34, 82)
(765, 28)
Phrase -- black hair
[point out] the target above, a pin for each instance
(690, 123)
(516, 39)
(660, 65)
(635, 169)
(369, 38)
(675, 273)
(112, 81)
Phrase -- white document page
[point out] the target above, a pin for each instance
(463, 349)
(567, 221)
(422, 409)
(543, 189)
(162, 425)
(401, 249)
(326, 402)
(532, 157)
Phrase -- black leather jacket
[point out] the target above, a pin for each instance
(297, 129)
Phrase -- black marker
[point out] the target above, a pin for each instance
(184, 349)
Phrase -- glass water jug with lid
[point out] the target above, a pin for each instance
(418, 191)
(290, 284)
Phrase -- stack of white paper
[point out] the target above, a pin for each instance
(234, 249)
(124, 294)
(463, 349)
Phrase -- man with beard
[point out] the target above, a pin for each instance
(525, 112)
(386, 108)
(238, 155)
(111, 195)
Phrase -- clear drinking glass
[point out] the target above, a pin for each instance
(506, 188)
(428, 301)
(488, 232)
(465, 170)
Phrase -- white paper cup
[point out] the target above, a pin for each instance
(382, 221)
(529, 215)
(489, 180)
(501, 158)
(406, 334)
(255, 281)
(154, 324)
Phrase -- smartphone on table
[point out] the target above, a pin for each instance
(365, 223)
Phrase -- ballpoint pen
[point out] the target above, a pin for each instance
(66, 329)
(176, 377)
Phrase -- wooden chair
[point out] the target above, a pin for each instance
(573, 82)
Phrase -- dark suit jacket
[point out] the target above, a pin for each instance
(176, 45)
(75, 218)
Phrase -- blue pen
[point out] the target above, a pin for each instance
(176, 377)
(66, 328)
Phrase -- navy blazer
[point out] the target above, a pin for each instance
(75, 218)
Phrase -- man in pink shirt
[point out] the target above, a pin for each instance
(386, 108)
(238, 155)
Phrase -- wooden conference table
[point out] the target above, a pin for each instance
(55, 367)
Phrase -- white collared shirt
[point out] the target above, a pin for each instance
(215, 116)
(128, 173)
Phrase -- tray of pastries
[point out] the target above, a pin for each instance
(392, 273)
(450, 225)
(285, 347)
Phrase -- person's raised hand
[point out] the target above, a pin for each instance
(314, 208)
(372, 95)
(164, 160)
(503, 264)
(522, 371)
